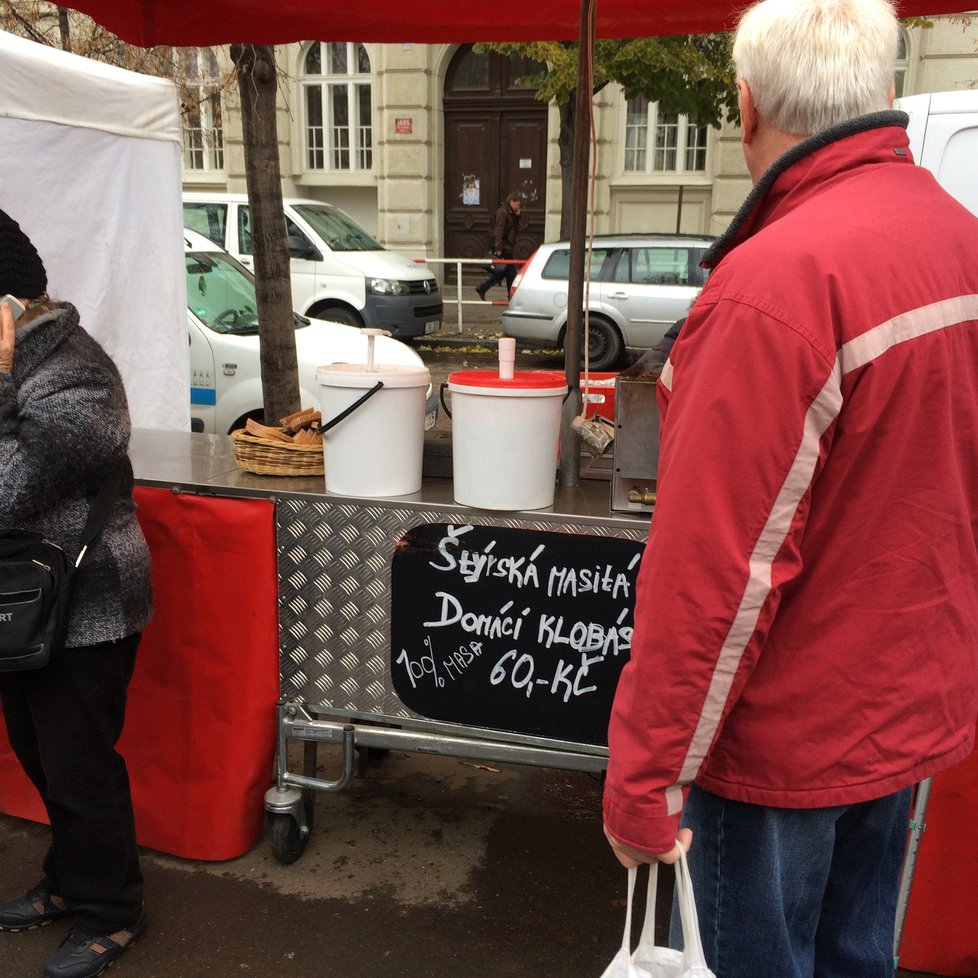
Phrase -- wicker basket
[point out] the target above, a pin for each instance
(266, 456)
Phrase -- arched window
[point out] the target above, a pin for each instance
(676, 146)
(902, 65)
(336, 100)
(199, 77)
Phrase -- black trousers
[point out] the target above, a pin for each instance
(500, 272)
(63, 722)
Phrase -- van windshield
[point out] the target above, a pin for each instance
(337, 230)
(220, 293)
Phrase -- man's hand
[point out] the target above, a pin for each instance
(6, 339)
(630, 858)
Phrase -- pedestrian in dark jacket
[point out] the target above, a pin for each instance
(505, 228)
(64, 427)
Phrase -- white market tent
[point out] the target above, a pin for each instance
(92, 173)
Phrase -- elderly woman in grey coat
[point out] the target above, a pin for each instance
(64, 427)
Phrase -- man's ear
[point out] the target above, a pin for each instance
(748, 113)
(892, 94)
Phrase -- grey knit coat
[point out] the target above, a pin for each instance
(64, 426)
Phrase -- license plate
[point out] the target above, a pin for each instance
(432, 327)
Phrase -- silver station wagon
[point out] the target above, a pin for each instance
(640, 285)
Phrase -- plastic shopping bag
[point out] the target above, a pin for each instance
(649, 960)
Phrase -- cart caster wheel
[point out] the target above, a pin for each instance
(288, 838)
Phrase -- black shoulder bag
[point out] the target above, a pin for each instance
(35, 586)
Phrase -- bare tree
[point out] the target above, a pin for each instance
(257, 84)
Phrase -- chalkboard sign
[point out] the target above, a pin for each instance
(512, 629)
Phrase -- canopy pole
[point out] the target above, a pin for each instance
(570, 456)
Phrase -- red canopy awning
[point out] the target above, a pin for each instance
(198, 22)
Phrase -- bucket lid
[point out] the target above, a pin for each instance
(357, 375)
(541, 381)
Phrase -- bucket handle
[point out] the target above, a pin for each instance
(441, 397)
(346, 412)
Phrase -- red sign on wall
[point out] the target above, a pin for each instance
(405, 125)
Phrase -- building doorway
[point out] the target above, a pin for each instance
(495, 142)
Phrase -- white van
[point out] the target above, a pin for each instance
(943, 134)
(339, 272)
(225, 364)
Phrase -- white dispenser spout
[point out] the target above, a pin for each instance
(372, 332)
(507, 357)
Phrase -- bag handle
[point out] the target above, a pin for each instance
(692, 939)
(693, 954)
(100, 507)
(626, 939)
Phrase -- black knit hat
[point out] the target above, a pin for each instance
(21, 269)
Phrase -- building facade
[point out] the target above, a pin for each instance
(419, 143)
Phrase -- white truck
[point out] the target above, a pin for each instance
(339, 272)
(943, 134)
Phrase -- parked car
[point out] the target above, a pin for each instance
(640, 285)
(339, 272)
(225, 367)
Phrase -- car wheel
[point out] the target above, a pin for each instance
(258, 415)
(337, 314)
(605, 345)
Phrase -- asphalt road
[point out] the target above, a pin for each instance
(426, 866)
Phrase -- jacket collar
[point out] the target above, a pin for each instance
(789, 178)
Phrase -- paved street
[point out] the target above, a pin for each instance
(428, 866)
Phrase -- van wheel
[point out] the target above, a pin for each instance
(605, 346)
(258, 416)
(337, 314)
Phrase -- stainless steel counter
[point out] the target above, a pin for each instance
(205, 464)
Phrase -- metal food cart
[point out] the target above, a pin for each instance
(414, 623)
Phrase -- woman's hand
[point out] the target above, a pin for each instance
(6, 339)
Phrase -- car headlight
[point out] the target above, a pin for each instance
(387, 286)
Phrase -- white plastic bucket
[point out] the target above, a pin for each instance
(504, 438)
(377, 450)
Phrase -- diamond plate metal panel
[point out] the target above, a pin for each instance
(334, 562)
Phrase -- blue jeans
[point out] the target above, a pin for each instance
(796, 893)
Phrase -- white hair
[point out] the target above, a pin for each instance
(811, 64)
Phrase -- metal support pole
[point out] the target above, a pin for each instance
(917, 826)
(570, 456)
(458, 295)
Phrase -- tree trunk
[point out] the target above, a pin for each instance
(65, 28)
(565, 143)
(276, 321)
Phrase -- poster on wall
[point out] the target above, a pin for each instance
(470, 191)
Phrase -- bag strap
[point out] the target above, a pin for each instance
(627, 937)
(692, 938)
(100, 507)
(693, 956)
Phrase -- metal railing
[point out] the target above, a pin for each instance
(458, 301)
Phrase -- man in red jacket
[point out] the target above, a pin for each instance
(806, 622)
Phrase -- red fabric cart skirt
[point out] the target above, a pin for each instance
(199, 738)
(941, 930)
